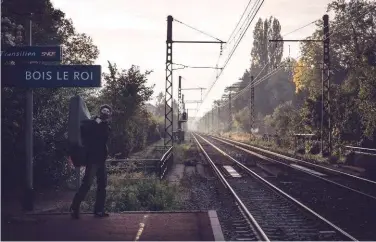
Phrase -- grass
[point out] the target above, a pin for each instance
(181, 152)
(131, 191)
(149, 152)
(135, 192)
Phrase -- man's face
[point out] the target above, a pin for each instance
(105, 113)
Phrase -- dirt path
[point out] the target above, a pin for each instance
(147, 152)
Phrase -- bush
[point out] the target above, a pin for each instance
(181, 152)
(129, 193)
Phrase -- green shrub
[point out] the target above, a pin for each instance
(129, 193)
(180, 152)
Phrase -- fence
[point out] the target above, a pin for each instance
(166, 162)
(361, 150)
(159, 166)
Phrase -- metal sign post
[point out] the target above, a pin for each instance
(29, 193)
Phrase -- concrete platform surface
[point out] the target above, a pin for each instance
(132, 226)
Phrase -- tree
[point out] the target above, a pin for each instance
(298, 75)
(353, 80)
(126, 92)
(50, 27)
(265, 53)
(80, 50)
(259, 55)
(286, 121)
(265, 57)
(275, 49)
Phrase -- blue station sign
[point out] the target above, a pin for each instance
(32, 53)
(52, 76)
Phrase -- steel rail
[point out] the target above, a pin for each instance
(307, 172)
(296, 160)
(301, 205)
(260, 233)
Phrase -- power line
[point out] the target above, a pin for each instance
(238, 44)
(270, 73)
(202, 32)
(241, 37)
(272, 55)
(245, 10)
(233, 51)
(241, 27)
(263, 79)
(302, 27)
(256, 82)
(247, 19)
(194, 67)
(229, 38)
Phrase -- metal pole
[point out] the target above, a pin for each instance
(207, 122)
(212, 114)
(179, 105)
(326, 135)
(29, 193)
(169, 114)
(322, 112)
(218, 118)
(230, 113)
(183, 108)
(252, 108)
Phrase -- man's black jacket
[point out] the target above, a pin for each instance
(95, 136)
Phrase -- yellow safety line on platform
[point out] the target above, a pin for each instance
(141, 227)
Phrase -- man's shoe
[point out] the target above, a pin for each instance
(75, 213)
(101, 214)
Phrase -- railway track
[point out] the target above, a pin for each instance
(360, 184)
(269, 213)
(352, 209)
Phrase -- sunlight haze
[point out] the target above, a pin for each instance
(134, 32)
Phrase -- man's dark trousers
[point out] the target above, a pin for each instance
(91, 171)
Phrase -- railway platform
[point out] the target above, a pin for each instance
(127, 226)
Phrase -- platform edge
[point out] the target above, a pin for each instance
(216, 226)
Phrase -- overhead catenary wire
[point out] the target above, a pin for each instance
(229, 38)
(312, 22)
(256, 82)
(233, 50)
(245, 10)
(245, 22)
(194, 67)
(241, 28)
(263, 79)
(264, 65)
(202, 32)
(242, 35)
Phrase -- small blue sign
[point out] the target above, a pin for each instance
(32, 53)
(52, 76)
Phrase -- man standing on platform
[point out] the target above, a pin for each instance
(95, 133)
